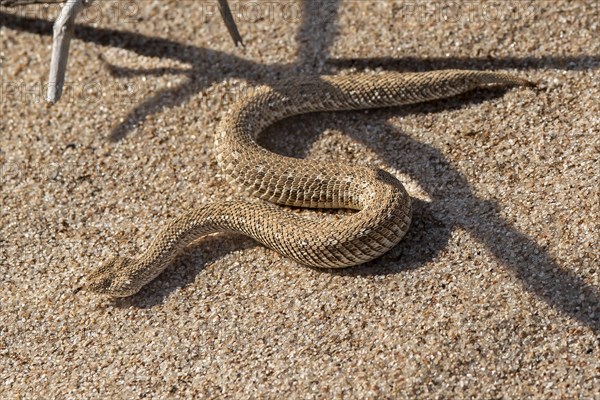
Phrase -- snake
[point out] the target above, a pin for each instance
(381, 205)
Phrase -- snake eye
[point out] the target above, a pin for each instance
(101, 279)
(99, 284)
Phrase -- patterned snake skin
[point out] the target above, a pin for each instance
(383, 206)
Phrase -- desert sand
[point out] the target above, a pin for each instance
(494, 293)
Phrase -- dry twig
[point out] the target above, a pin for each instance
(63, 33)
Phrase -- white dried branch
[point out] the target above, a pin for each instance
(63, 32)
(64, 27)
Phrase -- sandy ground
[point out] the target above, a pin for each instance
(494, 293)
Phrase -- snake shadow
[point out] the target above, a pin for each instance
(186, 268)
(453, 202)
(453, 205)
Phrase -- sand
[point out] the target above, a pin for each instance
(494, 293)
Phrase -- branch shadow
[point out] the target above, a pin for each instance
(567, 63)
(539, 274)
(211, 66)
(318, 16)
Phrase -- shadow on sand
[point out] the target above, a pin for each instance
(432, 222)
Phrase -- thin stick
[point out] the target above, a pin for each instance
(63, 32)
(230, 23)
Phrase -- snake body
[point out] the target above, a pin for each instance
(383, 205)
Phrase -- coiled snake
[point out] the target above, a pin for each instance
(383, 206)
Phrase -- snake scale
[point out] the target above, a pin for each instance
(383, 205)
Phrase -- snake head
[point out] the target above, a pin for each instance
(112, 279)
